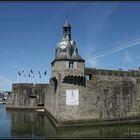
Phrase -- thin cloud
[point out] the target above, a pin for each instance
(116, 46)
(123, 46)
(97, 23)
(87, 55)
(128, 58)
(92, 61)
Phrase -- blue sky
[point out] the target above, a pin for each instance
(107, 36)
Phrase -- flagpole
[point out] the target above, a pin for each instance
(24, 78)
(21, 78)
(30, 79)
(45, 79)
(33, 79)
(45, 73)
(17, 79)
(22, 73)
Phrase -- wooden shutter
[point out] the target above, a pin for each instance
(75, 65)
(67, 64)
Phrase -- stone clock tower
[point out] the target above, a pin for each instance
(67, 60)
(67, 79)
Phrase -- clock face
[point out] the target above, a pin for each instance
(63, 44)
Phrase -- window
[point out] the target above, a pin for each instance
(71, 65)
(88, 77)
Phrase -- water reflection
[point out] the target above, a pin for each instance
(25, 124)
(5, 123)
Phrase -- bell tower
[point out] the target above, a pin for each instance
(67, 79)
(67, 30)
(67, 60)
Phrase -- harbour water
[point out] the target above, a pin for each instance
(25, 124)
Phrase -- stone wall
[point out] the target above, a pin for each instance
(52, 100)
(59, 70)
(130, 73)
(25, 95)
(103, 98)
(111, 98)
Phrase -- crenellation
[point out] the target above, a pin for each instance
(130, 73)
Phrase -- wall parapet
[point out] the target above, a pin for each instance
(129, 73)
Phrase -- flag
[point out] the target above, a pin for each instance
(45, 73)
(19, 73)
(22, 72)
(39, 74)
(31, 71)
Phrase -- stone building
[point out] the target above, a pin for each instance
(77, 95)
(85, 96)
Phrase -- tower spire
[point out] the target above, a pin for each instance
(67, 28)
(67, 16)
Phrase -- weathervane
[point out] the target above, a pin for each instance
(67, 15)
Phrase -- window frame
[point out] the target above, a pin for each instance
(71, 65)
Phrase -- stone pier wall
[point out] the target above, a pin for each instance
(28, 96)
(102, 98)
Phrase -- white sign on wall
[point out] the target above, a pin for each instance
(72, 97)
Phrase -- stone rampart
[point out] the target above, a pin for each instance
(104, 98)
(130, 73)
(28, 95)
